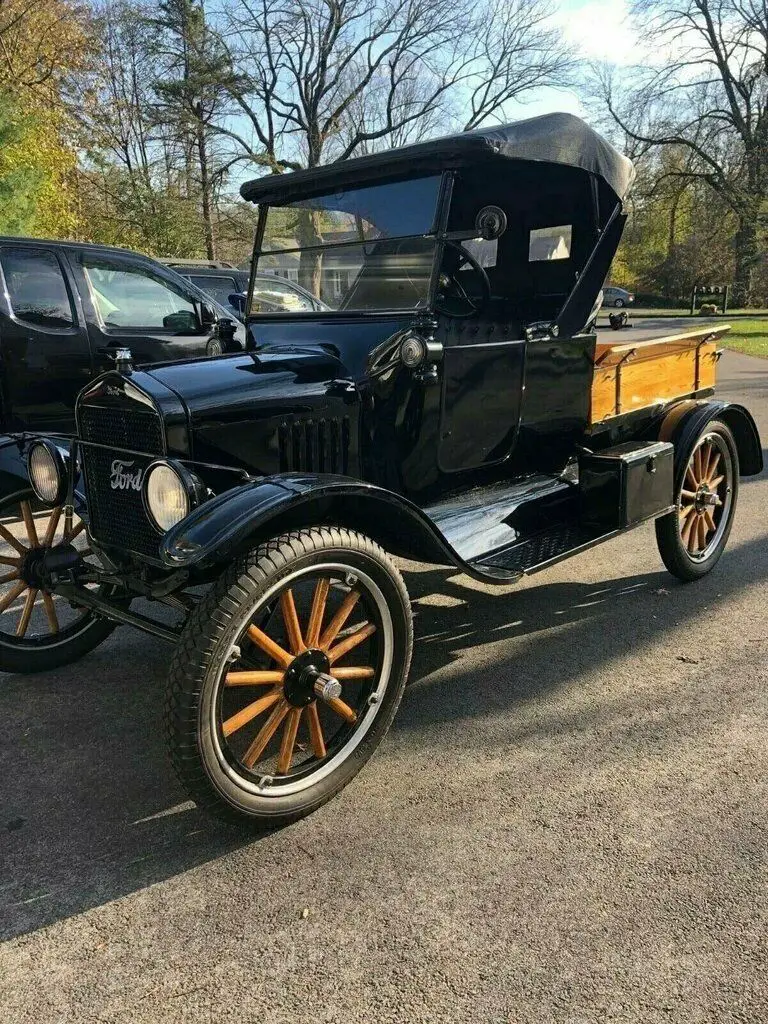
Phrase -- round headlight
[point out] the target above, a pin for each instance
(166, 495)
(47, 473)
(413, 351)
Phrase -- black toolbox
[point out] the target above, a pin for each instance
(626, 484)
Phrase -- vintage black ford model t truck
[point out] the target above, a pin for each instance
(449, 407)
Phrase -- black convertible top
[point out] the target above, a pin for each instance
(552, 138)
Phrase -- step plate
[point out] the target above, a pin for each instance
(540, 550)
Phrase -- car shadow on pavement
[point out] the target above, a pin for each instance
(561, 629)
(91, 811)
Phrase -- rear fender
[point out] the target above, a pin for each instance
(239, 518)
(684, 423)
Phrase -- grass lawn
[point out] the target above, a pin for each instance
(640, 311)
(747, 336)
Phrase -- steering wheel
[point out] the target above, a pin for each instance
(451, 280)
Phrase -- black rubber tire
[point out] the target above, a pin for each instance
(211, 629)
(618, 303)
(671, 548)
(28, 656)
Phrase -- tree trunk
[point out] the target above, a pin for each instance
(746, 257)
(310, 261)
(205, 188)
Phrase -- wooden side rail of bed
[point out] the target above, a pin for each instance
(629, 376)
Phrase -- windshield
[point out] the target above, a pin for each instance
(362, 249)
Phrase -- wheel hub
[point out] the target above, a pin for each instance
(40, 563)
(31, 569)
(301, 675)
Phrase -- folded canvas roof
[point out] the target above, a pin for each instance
(552, 138)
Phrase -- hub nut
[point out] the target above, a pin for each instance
(326, 687)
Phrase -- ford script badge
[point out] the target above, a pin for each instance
(123, 478)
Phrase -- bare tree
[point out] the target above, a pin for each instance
(320, 80)
(191, 93)
(711, 99)
(115, 104)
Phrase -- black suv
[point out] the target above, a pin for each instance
(271, 294)
(67, 307)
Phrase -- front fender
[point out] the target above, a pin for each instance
(233, 521)
(13, 467)
(683, 424)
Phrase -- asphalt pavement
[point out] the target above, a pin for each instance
(568, 822)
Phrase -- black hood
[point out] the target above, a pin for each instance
(288, 409)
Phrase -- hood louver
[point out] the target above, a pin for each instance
(314, 446)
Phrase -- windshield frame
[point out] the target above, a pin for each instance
(436, 231)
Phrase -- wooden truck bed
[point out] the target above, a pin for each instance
(635, 375)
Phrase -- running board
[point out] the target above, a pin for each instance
(490, 519)
(539, 552)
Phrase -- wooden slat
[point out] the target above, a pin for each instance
(650, 372)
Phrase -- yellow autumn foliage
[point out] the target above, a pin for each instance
(43, 44)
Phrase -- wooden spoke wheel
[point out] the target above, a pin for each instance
(705, 496)
(692, 539)
(287, 702)
(38, 630)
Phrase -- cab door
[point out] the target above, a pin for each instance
(45, 358)
(132, 304)
(482, 387)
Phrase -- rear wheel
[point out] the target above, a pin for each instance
(39, 631)
(692, 539)
(288, 675)
(618, 303)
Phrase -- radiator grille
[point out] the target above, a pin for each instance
(314, 446)
(139, 431)
(117, 514)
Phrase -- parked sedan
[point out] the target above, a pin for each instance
(618, 297)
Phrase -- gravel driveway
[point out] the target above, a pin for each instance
(568, 822)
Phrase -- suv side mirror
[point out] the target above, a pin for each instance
(237, 301)
(207, 315)
(183, 322)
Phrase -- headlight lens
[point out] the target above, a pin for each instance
(47, 473)
(167, 497)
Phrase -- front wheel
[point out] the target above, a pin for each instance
(38, 630)
(288, 675)
(692, 538)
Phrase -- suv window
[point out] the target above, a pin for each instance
(36, 287)
(274, 296)
(132, 296)
(220, 288)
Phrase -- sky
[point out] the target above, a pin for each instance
(599, 30)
